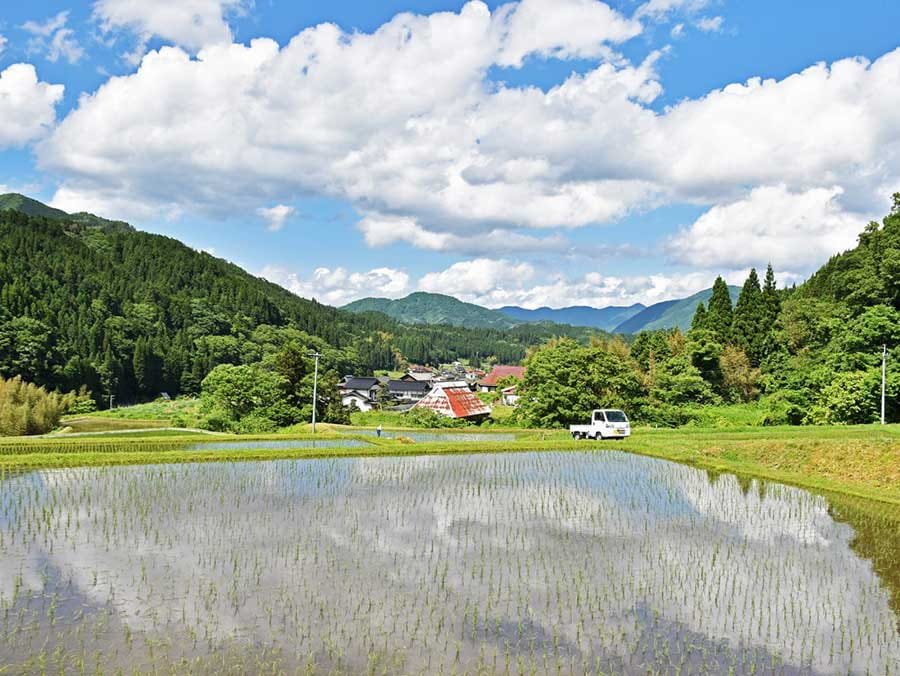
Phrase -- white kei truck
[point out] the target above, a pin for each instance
(606, 423)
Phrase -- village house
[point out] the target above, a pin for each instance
(490, 382)
(407, 390)
(360, 392)
(509, 396)
(421, 374)
(455, 401)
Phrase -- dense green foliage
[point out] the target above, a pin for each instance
(434, 308)
(810, 355)
(28, 409)
(84, 301)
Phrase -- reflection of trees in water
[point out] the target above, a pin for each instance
(584, 560)
(876, 527)
(877, 538)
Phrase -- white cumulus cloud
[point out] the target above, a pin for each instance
(795, 231)
(276, 216)
(337, 286)
(560, 28)
(27, 105)
(495, 283)
(404, 124)
(189, 23)
(478, 278)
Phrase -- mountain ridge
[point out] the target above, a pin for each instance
(426, 308)
(670, 314)
(606, 318)
(422, 307)
(76, 222)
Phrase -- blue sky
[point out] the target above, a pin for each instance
(541, 152)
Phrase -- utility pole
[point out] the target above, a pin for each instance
(315, 387)
(883, 379)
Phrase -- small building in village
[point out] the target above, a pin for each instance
(420, 374)
(509, 396)
(359, 392)
(455, 401)
(407, 390)
(490, 382)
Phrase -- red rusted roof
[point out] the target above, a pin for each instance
(454, 402)
(502, 372)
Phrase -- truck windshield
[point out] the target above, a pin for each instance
(616, 417)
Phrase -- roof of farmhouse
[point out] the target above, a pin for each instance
(408, 386)
(360, 383)
(454, 402)
(499, 372)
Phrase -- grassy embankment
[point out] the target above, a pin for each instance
(862, 461)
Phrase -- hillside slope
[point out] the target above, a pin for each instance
(434, 308)
(73, 222)
(606, 318)
(670, 314)
(133, 314)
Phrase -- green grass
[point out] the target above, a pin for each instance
(729, 415)
(142, 434)
(92, 423)
(862, 461)
(188, 410)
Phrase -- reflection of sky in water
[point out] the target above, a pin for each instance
(423, 437)
(278, 443)
(574, 561)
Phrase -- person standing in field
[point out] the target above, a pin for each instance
(378, 431)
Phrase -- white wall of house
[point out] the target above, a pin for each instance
(362, 403)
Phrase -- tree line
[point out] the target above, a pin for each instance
(804, 355)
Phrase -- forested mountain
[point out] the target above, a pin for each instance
(606, 318)
(669, 314)
(86, 301)
(434, 308)
(80, 221)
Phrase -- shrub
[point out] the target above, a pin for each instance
(29, 409)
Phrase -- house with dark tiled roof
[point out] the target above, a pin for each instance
(359, 392)
(407, 390)
(490, 382)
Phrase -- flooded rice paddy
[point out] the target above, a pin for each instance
(589, 562)
(286, 444)
(424, 437)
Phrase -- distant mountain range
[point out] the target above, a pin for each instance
(435, 308)
(607, 318)
(670, 313)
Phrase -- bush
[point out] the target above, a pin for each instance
(424, 417)
(785, 407)
(29, 409)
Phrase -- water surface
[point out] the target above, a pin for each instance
(423, 437)
(277, 443)
(528, 563)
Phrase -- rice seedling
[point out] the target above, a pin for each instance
(529, 563)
